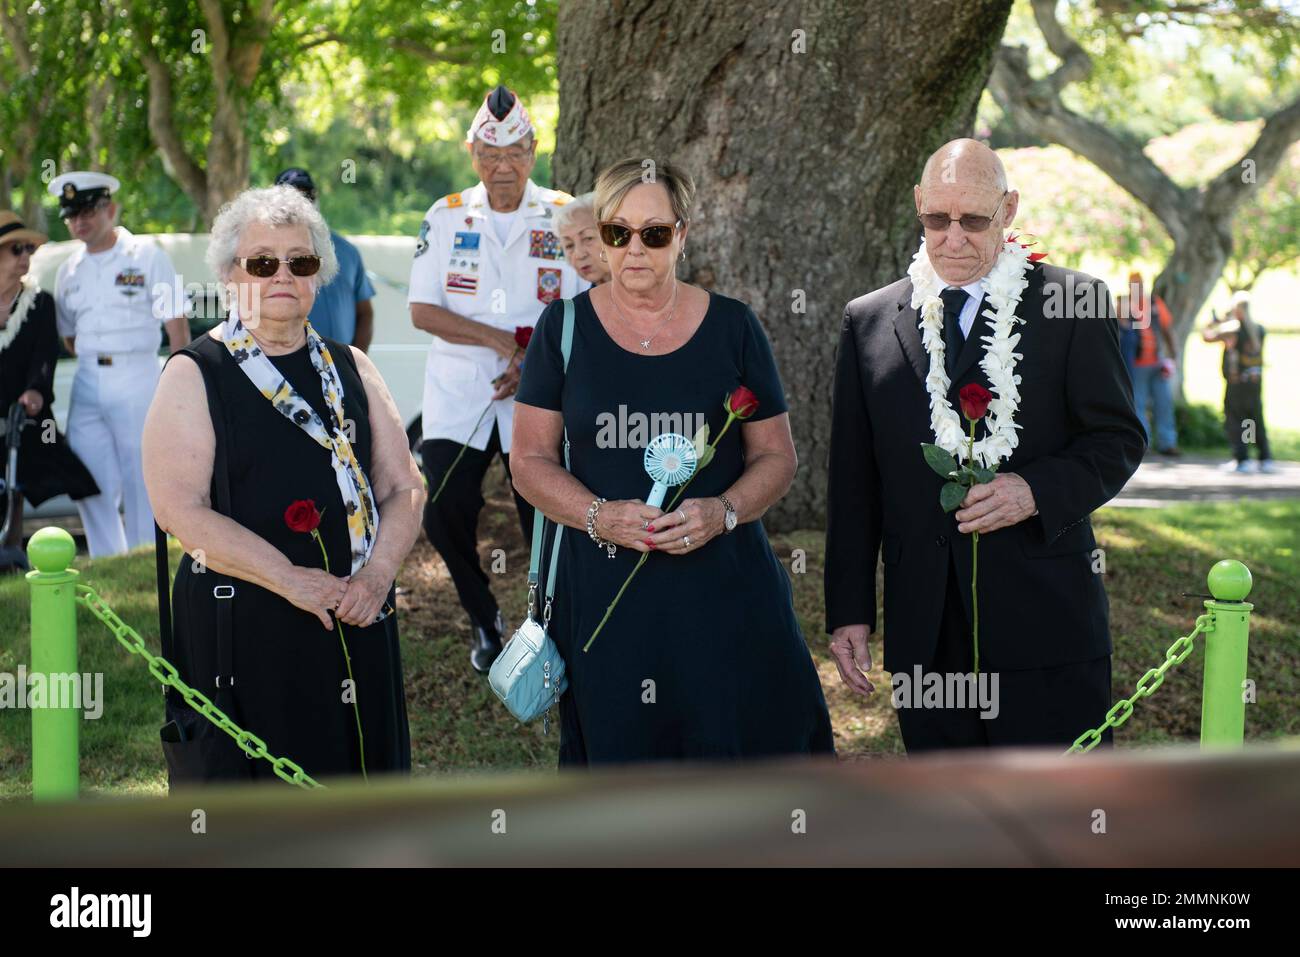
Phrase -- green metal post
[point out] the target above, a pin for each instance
(1223, 706)
(55, 731)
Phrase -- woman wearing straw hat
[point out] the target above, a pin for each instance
(29, 348)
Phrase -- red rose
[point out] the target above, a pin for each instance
(975, 400)
(523, 335)
(742, 403)
(302, 516)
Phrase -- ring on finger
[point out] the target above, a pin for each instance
(682, 514)
(686, 539)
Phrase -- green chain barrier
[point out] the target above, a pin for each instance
(165, 671)
(55, 742)
(1226, 627)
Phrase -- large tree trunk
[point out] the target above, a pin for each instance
(804, 161)
(1189, 277)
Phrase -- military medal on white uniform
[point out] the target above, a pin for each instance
(105, 303)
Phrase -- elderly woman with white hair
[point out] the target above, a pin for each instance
(575, 225)
(278, 459)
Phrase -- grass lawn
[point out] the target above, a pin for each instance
(458, 725)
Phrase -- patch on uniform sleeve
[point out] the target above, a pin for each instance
(464, 283)
(422, 244)
(453, 199)
(544, 244)
(548, 284)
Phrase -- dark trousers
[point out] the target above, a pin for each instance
(1041, 706)
(452, 521)
(1244, 401)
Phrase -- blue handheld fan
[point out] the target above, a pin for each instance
(669, 460)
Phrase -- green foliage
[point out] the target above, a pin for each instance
(1199, 425)
(389, 84)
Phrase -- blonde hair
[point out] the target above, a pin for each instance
(614, 183)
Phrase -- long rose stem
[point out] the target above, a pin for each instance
(347, 659)
(975, 559)
(731, 416)
(454, 462)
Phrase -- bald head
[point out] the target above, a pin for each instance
(965, 178)
(964, 161)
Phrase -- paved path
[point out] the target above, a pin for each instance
(1193, 478)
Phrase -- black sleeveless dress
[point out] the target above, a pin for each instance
(289, 671)
(704, 657)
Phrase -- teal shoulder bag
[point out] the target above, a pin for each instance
(528, 676)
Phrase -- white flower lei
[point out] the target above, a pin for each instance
(22, 306)
(1002, 288)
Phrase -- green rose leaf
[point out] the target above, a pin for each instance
(984, 476)
(950, 495)
(939, 460)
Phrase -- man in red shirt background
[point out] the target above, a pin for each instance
(1153, 366)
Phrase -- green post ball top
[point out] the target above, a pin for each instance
(1229, 580)
(51, 550)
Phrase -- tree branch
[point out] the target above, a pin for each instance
(14, 27)
(1231, 187)
(162, 124)
(1075, 65)
(1038, 109)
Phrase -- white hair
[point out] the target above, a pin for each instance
(586, 203)
(273, 206)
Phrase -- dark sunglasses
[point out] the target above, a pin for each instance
(264, 267)
(654, 237)
(970, 223)
(20, 248)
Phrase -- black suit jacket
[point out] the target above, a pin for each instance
(1041, 603)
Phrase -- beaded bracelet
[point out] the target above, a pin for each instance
(592, 511)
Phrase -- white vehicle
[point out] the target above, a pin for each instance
(398, 349)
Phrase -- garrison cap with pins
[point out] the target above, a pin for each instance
(501, 120)
(81, 189)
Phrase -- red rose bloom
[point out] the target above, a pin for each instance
(975, 400)
(523, 335)
(742, 403)
(302, 516)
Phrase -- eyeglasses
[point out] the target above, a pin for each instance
(512, 157)
(20, 249)
(970, 223)
(264, 267)
(655, 236)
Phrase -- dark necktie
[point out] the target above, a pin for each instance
(953, 339)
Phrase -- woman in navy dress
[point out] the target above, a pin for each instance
(703, 658)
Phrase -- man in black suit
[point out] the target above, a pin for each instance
(1044, 637)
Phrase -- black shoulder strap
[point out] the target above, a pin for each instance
(223, 589)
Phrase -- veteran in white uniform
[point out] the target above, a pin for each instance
(487, 261)
(110, 297)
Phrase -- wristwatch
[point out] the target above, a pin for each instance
(729, 519)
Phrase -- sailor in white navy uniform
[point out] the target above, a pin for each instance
(110, 297)
(488, 260)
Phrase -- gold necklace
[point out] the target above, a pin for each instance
(645, 343)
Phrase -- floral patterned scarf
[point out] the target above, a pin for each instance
(362, 516)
